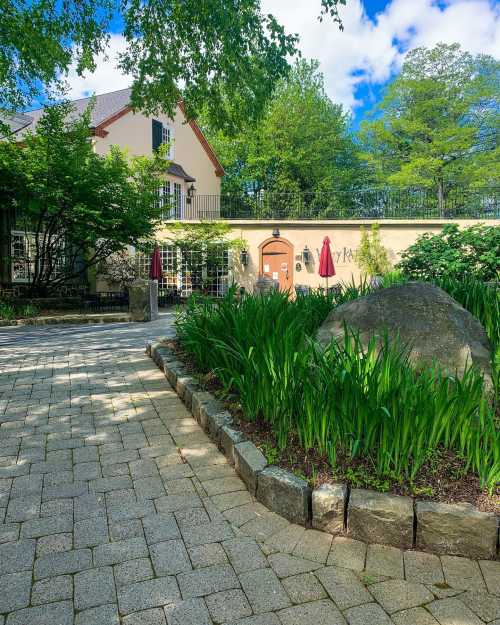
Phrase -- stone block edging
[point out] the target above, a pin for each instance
(366, 515)
(68, 319)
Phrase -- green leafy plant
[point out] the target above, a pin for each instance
(454, 253)
(359, 402)
(7, 311)
(371, 256)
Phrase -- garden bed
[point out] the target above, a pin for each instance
(444, 478)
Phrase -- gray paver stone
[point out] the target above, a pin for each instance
(169, 558)
(54, 543)
(49, 614)
(264, 590)
(205, 581)
(189, 612)
(462, 573)
(52, 589)
(15, 591)
(285, 565)
(395, 595)
(452, 611)
(102, 615)
(347, 553)
(17, 556)
(483, 604)
(316, 613)
(414, 616)
(313, 545)
(367, 614)
(423, 567)
(160, 527)
(210, 532)
(304, 588)
(113, 553)
(384, 560)
(244, 554)
(491, 574)
(94, 587)
(46, 526)
(133, 571)
(152, 593)
(207, 555)
(344, 587)
(156, 616)
(228, 605)
(91, 532)
(61, 563)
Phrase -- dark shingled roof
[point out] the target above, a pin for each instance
(105, 106)
(178, 170)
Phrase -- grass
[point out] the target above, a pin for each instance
(345, 401)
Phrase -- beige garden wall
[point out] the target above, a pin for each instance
(345, 237)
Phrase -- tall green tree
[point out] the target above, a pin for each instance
(227, 55)
(438, 124)
(301, 144)
(74, 206)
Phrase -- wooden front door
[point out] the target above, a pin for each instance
(276, 261)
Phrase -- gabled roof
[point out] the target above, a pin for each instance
(108, 108)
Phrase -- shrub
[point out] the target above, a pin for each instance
(345, 400)
(455, 252)
(7, 311)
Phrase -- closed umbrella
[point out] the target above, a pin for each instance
(326, 266)
(156, 270)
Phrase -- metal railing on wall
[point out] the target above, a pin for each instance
(373, 203)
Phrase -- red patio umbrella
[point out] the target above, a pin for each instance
(155, 270)
(326, 266)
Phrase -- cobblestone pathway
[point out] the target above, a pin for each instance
(103, 521)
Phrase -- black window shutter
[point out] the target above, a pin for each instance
(157, 134)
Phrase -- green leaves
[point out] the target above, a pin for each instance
(437, 126)
(455, 253)
(363, 403)
(75, 203)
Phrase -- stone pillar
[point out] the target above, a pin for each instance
(143, 300)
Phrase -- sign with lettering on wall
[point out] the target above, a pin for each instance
(342, 256)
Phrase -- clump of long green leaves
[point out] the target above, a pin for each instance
(360, 402)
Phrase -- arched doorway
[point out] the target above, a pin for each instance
(276, 261)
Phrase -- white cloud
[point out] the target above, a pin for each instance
(371, 52)
(366, 52)
(107, 76)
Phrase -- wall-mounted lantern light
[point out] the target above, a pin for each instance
(276, 232)
(244, 257)
(307, 256)
(191, 191)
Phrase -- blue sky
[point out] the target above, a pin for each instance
(360, 61)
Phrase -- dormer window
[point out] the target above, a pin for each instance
(163, 135)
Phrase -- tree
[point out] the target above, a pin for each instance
(75, 207)
(301, 144)
(227, 55)
(438, 126)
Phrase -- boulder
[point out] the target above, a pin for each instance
(422, 316)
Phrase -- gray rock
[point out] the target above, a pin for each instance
(229, 438)
(15, 591)
(51, 613)
(422, 315)
(380, 518)
(152, 593)
(199, 399)
(173, 371)
(284, 493)
(249, 462)
(215, 422)
(328, 508)
(457, 529)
